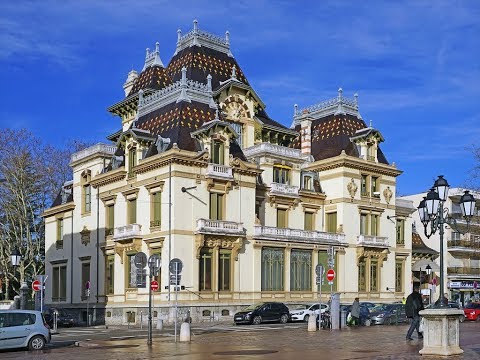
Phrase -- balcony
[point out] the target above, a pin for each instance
(128, 232)
(220, 227)
(95, 150)
(276, 151)
(219, 171)
(298, 235)
(283, 189)
(467, 247)
(463, 271)
(372, 241)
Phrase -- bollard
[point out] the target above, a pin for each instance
(185, 332)
(343, 319)
(55, 320)
(335, 311)
(312, 323)
(159, 324)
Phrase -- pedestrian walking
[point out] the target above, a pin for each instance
(413, 306)
(355, 312)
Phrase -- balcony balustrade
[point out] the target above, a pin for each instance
(206, 226)
(463, 271)
(287, 234)
(132, 231)
(372, 241)
(219, 171)
(283, 189)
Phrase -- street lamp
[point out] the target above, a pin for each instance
(433, 216)
(428, 269)
(16, 257)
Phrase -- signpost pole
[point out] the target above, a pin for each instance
(176, 299)
(41, 293)
(149, 339)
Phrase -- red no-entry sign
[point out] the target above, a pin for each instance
(36, 285)
(330, 274)
(154, 285)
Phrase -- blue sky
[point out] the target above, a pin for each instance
(415, 65)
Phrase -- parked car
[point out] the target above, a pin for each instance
(364, 314)
(388, 314)
(472, 311)
(263, 312)
(63, 317)
(302, 312)
(23, 329)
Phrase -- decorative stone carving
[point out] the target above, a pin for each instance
(85, 236)
(352, 188)
(387, 194)
(218, 243)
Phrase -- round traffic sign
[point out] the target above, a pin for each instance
(175, 266)
(140, 260)
(154, 261)
(154, 285)
(36, 285)
(319, 270)
(330, 274)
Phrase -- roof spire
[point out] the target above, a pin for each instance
(212, 103)
(234, 72)
(340, 109)
(295, 109)
(370, 124)
(227, 37)
(195, 33)
(183, 84)
(153, 58)
(195, 25)
(356, 99)
(179, 35)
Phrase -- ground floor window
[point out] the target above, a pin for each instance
(300, 270)
(373, 275)
(272, 269)
(59, 283)
(110, 274)
(362, 276)
(399, 276)
(368, 275)
(205, 280)
(224, 269)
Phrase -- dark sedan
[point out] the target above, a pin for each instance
(388, 314)
(63, 318)
(263, 312)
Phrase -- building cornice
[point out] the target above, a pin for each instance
(58, 209)
(109, 177)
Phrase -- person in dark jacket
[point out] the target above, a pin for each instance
(413, 305)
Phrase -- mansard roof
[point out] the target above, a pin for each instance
(153, 77)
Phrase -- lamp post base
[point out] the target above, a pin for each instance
(441, 333)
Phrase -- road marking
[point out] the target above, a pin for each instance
(122, 337)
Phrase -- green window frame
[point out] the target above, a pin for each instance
(218, 152)
(362, 275)
(374, 224)
(87, 198)
(109, 219)
(273, 260)
(281, 218)
(308, 223)
(132, 160)
(216, 206)
(110, 274)
(400, 227)
(131, 211)
(363, 224)
(59, 283)
(364, 185)
(374, 186)
(205, 273)
(331, 223)
(224, 269)
(156, 209)
(300, 270)
(399, 276)
(281, 174)
(374, 275)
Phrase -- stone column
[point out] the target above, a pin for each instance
(23, 295)
(441, 335)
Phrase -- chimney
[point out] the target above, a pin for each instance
(127, 86)
(306, 135)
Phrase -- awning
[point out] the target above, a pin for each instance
(422, 264)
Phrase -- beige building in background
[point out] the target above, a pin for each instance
(198, 171)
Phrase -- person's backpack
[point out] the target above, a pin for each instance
(410, 307)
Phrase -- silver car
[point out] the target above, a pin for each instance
(23, 329)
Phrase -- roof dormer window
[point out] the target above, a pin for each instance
(218, 152)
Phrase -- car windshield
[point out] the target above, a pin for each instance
(298, 307)
(378, 308)
(253, 307)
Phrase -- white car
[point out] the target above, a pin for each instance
(23, 329)
(301, 312)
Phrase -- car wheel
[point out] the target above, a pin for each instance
(367, 322)
(284, 319)
(256, 320)
(306, 318)
(36, 343)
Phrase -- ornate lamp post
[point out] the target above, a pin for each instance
(441, 334)
(428, 269)
(15, 258)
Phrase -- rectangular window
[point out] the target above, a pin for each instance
(400, 232)
(87, 198)
(224, 266)
(374, 225)
(59, 283)
(309, 221)
(373, 275)
(363, 185)
(363, 224)
(272, 269)
(59, 233)
(156, 209)
(132, 160)
(131, 271)
(375, 187)
(362, 276)
(110, 274)
(109, 219)
(281, 174)
(85, 278)
(307, 183)
(399, 276)
(217, 152)
(205, 281)
(132, 211)
(331, 223)
(216, 206)
(281, 218)
(300, 270)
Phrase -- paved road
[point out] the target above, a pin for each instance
(221, 341)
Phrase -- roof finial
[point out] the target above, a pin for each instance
(157, 47)
(295, 109)
(234, 72)
(195, 25)
(179, 35)
(227, 37)
(370, 123)
(147, 52)
(356, 99)
(209, 82)
(183, 84)
(340, 93)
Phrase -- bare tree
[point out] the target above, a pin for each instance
(31, 174)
